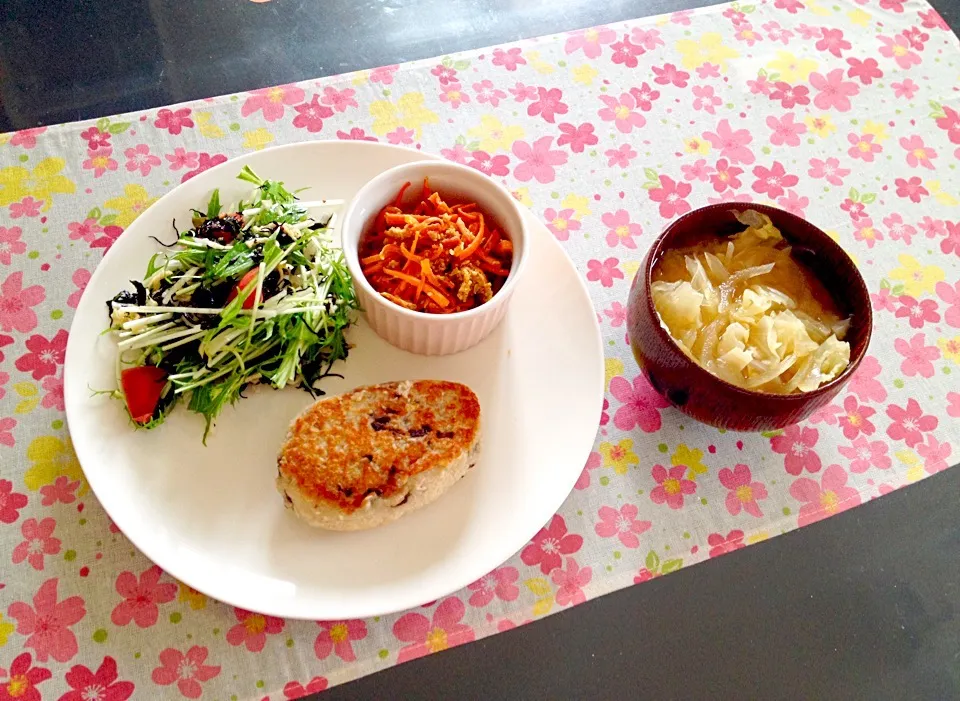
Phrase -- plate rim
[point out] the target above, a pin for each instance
(172, 568)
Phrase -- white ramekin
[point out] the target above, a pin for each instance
(419, 332)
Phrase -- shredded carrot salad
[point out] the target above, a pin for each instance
(429, 256)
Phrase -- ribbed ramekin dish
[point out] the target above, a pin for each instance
(421, 332)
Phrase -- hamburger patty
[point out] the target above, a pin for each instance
(378, 446)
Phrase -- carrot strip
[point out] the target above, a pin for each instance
(439, 204)
(471, 248)
(391, 249)
(474, 245)
(399, 300)
(438, 297)
(399, 199)
(423, 281)
(431, 291)
(464, 231)
(428, 273)
(388, 251)
(486, 267)
(406, 277)
(488, 260)
(493, 240)
(412, 257)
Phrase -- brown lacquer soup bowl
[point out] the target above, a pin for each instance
(704, 396)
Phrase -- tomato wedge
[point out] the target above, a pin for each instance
(249, 278)
(142, 387)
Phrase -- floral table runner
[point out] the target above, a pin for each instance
(844, 112)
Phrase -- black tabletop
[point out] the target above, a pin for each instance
(862, 606)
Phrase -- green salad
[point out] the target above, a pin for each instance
(253, 294)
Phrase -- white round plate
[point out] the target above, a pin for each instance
(211, 516)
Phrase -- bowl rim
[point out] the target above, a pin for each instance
(656, 251)
(396, 172)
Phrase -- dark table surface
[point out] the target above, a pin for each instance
(862, 606)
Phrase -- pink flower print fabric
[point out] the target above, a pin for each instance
(845, 114)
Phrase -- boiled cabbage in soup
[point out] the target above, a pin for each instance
(746, 310)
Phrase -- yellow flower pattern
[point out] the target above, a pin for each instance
(912, 462)
(584, 74)
(917, 279)
(619, 456)
(613, 367)
(49, 458)
(257, 139)
(822, 125)
(708, 49)
(207, 126)
(6, 628)
(41, 183)
(493, 135)
(943, 197)
(950, 347)
(522, 195)
(877, 129)
(791, 69)
(539, 65)
(692, 458)
(579, 204)
(131, 204)
(630, 268)
(859, 17)
(697, 145)
(193, 598)
(30, 397)
(409, 111)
